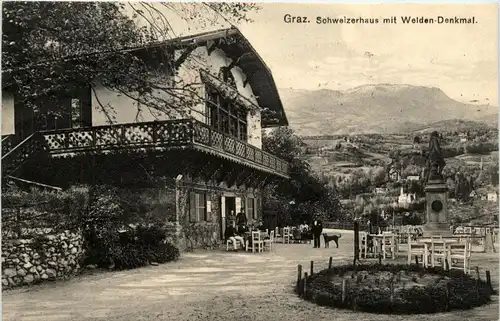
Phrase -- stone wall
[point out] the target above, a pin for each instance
(48, 257)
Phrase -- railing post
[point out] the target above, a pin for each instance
(93, 142)
(193, 131)
(121, 138)
(154, 132)
(66, 140)
(209, 136)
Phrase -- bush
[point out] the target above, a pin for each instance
(129, 249)
(103, 214)
(481, 148)
(453, 290)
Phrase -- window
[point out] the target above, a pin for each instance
(198, 207)
(225, 116)
(76, 113)
(251, 210)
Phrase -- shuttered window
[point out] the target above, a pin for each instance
(251, 213)
(198, 207)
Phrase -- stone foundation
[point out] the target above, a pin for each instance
(49, 257)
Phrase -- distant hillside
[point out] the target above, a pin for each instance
(383, 108)
(452, 125)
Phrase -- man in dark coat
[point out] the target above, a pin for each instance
(241, 218)
(317, 229)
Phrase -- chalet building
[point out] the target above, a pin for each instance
(199, 167)
(406, 198)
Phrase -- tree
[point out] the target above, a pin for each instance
(53, 48)
(304, 195)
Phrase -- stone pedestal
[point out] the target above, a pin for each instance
(436, 193)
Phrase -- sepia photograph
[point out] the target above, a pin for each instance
(236, 161)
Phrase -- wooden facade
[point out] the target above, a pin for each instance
(208, 165)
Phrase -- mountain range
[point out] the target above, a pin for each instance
(382, 108)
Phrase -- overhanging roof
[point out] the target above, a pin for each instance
(237, 48)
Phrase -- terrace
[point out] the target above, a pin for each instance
(150, 136)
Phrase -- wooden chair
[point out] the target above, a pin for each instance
(257, 242)
(230, 242)
(388, 244)
(460, 255)
(437, 250)
(277, 234)
(415, 249)
(363, 241)
(286, 235)
(269, 243)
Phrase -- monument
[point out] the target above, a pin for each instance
(436, 191)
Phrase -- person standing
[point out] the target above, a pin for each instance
(241, 218)
(317, 229)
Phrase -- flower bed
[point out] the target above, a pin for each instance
(395, 289)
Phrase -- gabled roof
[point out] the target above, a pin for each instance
(259, 75)
(237, 48)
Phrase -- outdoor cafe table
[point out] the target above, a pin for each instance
(445, 243)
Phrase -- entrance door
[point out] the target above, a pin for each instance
(227, 204)
(231, 206)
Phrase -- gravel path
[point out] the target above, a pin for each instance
(208, 286)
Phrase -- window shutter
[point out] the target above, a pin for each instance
(192, 207)
(238, 204)
(255, 213)
(209, 214)
(206, 215)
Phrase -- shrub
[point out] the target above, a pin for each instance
(128, 249)
(453, 290)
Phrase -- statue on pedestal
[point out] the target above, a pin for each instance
(435, 160)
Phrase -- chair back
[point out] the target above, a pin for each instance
(414, 245)
(271, 236)
(255, 236)
(458, 248)
(286, 231)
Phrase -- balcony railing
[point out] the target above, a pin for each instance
(14, 155)
(157, 135)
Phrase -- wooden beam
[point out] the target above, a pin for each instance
(254, 179)
(216, 172)
(183, 56)
(248, 177)
(236, 60)
(249, 78)
(211, 46)
(241, 178)
(232, 176)
(265, 181)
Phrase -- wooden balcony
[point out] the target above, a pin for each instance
(161, 135)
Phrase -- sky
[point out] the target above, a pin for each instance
(460, 59)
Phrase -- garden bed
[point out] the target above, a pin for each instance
(395, 289)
